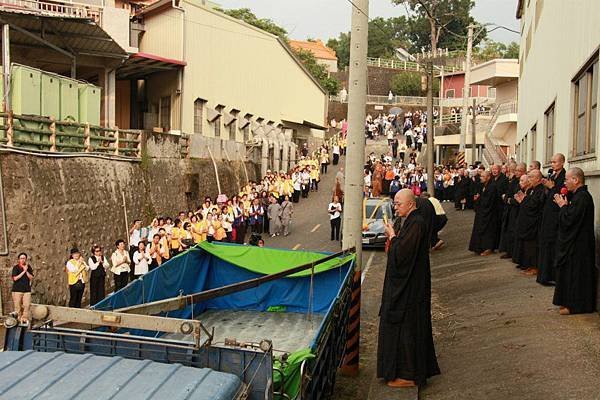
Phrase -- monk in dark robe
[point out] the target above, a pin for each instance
(485, 226)
(576, 282)
(461, 189)
(501, 182)
(549, 227)
(406, 353)
(511, 211)
(531, 204)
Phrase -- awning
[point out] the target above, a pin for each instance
(140, 65)
(69, 35)
(308, 124)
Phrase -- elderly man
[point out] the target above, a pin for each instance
(511, 211)
(484, 236)
(531, 204)
(406, 354)
(534, 165)
(575, 290)
(549, 227)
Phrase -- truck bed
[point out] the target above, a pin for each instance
(289, 332)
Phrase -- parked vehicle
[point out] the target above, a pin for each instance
(376, 212)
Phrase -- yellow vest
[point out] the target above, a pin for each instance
(73, 277)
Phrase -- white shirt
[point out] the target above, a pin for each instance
(120, 262)
(338, 210)
(92, 265)
(141, 261)
(336, 149)
(134, 238)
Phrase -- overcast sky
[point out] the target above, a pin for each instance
(327, 18)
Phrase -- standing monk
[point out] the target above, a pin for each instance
(549, 228)
(511, 211)
(406, 354)
(528, 223)
(501, 182)
(575, 290)
(484, 236)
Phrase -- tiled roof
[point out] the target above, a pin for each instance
(319, 50)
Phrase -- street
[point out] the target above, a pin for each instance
(496, 331)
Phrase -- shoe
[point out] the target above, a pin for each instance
(438, 245)
(400, 383)
(487, 252)
(564, 311)
(531, 271)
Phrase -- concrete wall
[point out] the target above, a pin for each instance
(55, 204)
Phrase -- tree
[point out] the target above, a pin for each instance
(318, 71)
(512, 50)
(341, 46)
(439, 23)
(246, 15)
(406, 84)
(490, 50)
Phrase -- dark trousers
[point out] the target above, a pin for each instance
(335, 228)
(97, 291)
(296, 196)
(132, 250)
(438, 224)
(305, 189)
(336, 158)
(240, 233)
(324, 168)
(121, 280)
(76, 294)
(153, 265)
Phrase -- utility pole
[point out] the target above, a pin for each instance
(465, 109)
(430, 128)
(474, 133)
(355, 161)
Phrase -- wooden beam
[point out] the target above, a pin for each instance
(176, 303)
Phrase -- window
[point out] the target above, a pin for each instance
(217, 124)
(198, 114)
(165, 113)
(532, 140)
(450, 93)
(491, 92)
(549, 124)
(585, 112)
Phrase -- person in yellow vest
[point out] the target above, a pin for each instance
(176, 235)
(77, 278)
(165, 247)
(314, 179)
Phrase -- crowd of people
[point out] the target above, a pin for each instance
(544, 223)
(263, 207)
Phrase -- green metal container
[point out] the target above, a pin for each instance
(89, 104)
(69, 111)
(50, 95)
(25, 97)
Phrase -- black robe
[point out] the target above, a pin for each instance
(462, 191)
(427, 211)
(485, 226)
(501, 182)
(528, 227)
(405, 346)
(549, 231)
(509, 217)
(475, 187)
(575, 255)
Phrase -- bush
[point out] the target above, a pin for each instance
(406, 84)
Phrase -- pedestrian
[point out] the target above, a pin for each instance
(256, 216)
(164, 245)
(439, 221)
(287, 211)
(531, 204)
(335, 151)
(77, 277)
(297, 185)
(575, 290)
(549, 225)
(121, 265)
(141, 260)
(176, 236)
(135, 235)
(22, 275)
(406, 353)
(511, 212)
(483, 237)
(335, 217)
(98, 265)
(305, 179)
(324, 161)
(274, 214)
(402, 149)
(154, 249)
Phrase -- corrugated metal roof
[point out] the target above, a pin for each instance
(59, 376)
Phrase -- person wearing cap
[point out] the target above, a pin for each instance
(77, 277)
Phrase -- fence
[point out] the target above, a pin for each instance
(410, 66)
(49, 135)
(86, 9)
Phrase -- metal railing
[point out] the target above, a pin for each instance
(510, 107)
(416, 101)
(495, 152)
(410, 66)
(91, 10)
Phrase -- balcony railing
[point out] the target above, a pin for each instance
(410, 66)
(415, 101)
(91, 9)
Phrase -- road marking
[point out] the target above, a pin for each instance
(364, 273)
(296, 247)
(316, 227)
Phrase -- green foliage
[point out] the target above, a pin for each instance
(318, 71)
(341, 46)
(246, 15)
(490, 50)
(406, 84)
(411, 84)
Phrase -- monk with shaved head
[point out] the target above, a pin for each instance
(511, 211)
(531, 202)
(406, 354)
(576, 281)
(549, 225)
(484, 237)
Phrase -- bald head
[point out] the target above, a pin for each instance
(520, 169)
(574, 179)
(524, 182)
(557, 161)
(404, 202)
(535, 177)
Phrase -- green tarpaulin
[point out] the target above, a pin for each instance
(264, 260)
